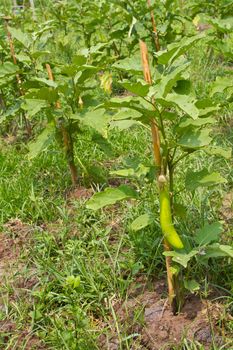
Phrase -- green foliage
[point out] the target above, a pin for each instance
(42, 142)
(202, 179)
(111, 196)
(141, 222)
(208, 233)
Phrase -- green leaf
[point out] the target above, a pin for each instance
(177, 49)
(139, 88)
(37, 54)
(221, 84)
(191, 285)
(224, 25)
(48, 94)
(206, 106)
(130, 64)
(85, 72)
(23, 38)
(208, 233)
(22, 57)
(141, 222)
(7, 69)
(42, 141)
(175, 270)
(97, 119)
(10, 112)
(217, 250)
(111, 196)
(69, 70)
(180, 210)
(95, 49)
(33, 106)
(124, 124)
(219, 151)
(181, 258)
(105, 146)
(186, 122)
(194, 139)
(169, 115)
(127, 113)
(202, 179)
(47, 82)
(79, 72)
(72, 281)
(44, 94)
(184, 102)
(79, 60)
(142, 107)
(126, 102)
(183, 87)
(170, 79)
(140, 170)
(128, 172)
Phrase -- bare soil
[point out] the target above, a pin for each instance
(78, 193)
(227, 208)
(146, 318)
(14, 243)
(11, 242)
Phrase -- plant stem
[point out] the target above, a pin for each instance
(156, 37)
(67, 138)
(2, 102)
(154, 128)
(170, 280)
(177, 300)
(180, 158)
(172, 285)
(12, 50)
(156, 144)
(171, 181)
(69, 150)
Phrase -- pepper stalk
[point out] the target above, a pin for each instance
(173, 286)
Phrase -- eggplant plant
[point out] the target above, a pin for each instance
(61, 108)
(66, 102)
(165, 101)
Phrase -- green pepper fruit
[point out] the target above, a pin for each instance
(166, 220)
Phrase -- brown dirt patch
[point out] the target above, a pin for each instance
(23, 339)
(147, 320)
(11, 243)
(227, 208)
(14, 243)
(79, 193)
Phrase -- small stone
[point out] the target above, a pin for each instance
(152, 313)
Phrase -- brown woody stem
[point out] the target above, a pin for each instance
(155, 32)
(67, 138)
(172, 281)
(154, 128)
